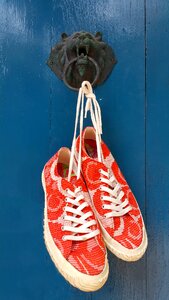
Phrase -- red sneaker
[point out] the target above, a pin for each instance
(113, 201)
(71, 232)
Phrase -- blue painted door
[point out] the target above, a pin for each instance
(36, 118)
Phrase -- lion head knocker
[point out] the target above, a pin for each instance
(81, 56)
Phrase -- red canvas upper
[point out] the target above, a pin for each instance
(86, 256)
(126, 229)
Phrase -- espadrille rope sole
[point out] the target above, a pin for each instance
(122, 252)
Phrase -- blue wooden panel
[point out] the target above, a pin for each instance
(37, 117)
(157, 145)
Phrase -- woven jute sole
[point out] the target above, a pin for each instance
(84, 282)
(122, 252)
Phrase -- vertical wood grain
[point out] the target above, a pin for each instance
(24, 131)
(157, 141)
(37, 117)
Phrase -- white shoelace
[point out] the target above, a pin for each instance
(117, 207)
(77, 218)
(93, 106)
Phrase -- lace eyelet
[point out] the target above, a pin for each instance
(63, 228)
(101, 197)
(100, 188)
(80, 188)
(103, 206)
(100, 170)
(67, 190)
(63, 238)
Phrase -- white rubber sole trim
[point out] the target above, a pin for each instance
(122, 252)
(84, 282)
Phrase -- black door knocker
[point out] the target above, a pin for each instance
(81, 56)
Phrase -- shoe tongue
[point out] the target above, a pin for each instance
(99, 165)
(73, 178)
(63, 170)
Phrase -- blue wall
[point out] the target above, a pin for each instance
(37, 116)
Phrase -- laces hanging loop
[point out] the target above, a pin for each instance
(93, 106)
(79, 110)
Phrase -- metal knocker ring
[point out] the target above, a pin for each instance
(75, 66)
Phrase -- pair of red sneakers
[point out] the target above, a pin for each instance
(89, 205)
